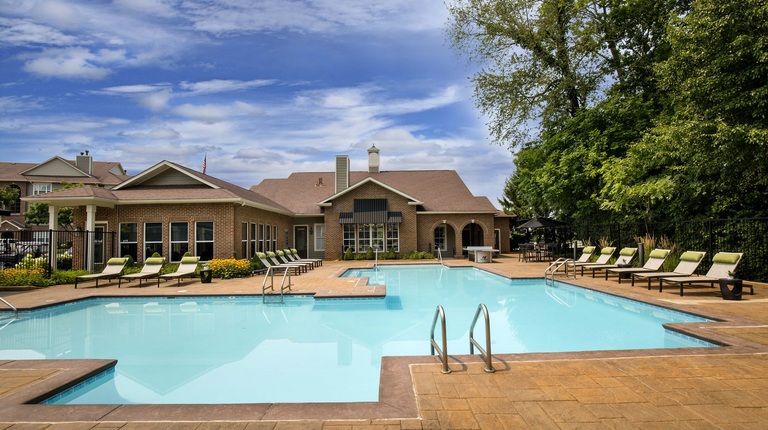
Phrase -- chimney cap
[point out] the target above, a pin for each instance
(373, 148)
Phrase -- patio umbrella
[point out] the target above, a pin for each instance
(540, 223)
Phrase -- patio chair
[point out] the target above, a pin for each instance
(151, 269)
(605, 255)
(111, 271)
(296, 269)
(280, 257)
(656, 258)
(722, 263)
(586, 254)
(186, 269)
(293, 254)
(689, 262)
(626, 255)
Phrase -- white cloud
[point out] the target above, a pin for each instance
(159, 133)
(59, 13)
(18, 104)
(156, 101)
(23, 32)
(73, 63)
(223, 85)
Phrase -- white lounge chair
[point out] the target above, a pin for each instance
(151, 269)
(689, 262)
(112, 270)
(722, 263)
(626, 255)
(605, 255)
(656, 259)
(186, 269)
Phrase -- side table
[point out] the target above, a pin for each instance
(728, 292)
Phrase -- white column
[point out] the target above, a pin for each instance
(53, 225)
(90, 226)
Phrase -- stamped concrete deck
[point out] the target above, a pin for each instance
(723, 388)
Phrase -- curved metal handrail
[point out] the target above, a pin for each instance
(551, 270)
(439, 312)
(473, 343)
(13, 308)
(271, 276)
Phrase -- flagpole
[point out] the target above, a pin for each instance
(205, 159)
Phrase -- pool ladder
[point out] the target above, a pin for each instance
(551, 270)
(270, 275)
(15, 313)
(443, 352)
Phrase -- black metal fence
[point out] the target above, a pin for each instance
(55, 249)
(747, 235)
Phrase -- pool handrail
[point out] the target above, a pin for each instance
(486, 353)
(551, 270)
(270, 274)
(443, 353)
(13, 308)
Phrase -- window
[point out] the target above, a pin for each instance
(254, 240)
(440, 238)
(348, 240)
(320, 237)
(204, 240)
(363, 237)
(261, 237)
(179, 240)
(267, 240)
(153, 239)
(41, 188)
(129, 240)
(274, 238)
(244, 240)
(393, 237)
(15, 207)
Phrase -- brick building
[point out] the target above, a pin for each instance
(172, 209)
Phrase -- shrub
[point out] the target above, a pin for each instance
(349, 255)
(227, 268)
(369, 254)
(416, 255)
(34, 276)
(391, 254)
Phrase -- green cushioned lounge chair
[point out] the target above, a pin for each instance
(112, 270)
(151, 269)
(722, 263)
(656, 259)
(626, 255)
(689, 262)
(186, 269)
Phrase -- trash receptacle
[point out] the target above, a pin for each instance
(205, 275)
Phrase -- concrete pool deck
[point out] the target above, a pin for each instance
(681, 388)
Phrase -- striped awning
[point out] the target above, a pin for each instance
(370, 211)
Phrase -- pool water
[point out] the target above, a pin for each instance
(240, 350)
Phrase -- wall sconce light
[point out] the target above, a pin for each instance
(78, 232)
(473, 221)
(445, 221)
(285, 230)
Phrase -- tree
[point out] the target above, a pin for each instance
(8, 196)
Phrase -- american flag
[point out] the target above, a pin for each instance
(205, 158)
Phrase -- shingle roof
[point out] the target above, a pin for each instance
(439, 190)
(12, 172)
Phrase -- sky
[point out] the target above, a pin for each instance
(259, 88)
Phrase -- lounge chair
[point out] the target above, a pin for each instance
(293, 254)
(689, 262)
(151, 269)
(626, 255)
(112, 270)
(722, 263)
(656, 258)
(586, 254)
(605, 255)
(296, 269)
(186, 269)
(280, 257)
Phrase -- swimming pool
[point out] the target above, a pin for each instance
(239, 350)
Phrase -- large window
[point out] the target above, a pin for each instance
(440, 238)
(267, 238)
(204, 240)
(244, 240)
(348, 241)
(261, 238)
(320, 237)
(129, 240)
(274, 238)
(153, 239)
(393, 237)
(254, 240)
(41, 188)
(179, 240)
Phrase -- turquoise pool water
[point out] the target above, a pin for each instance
(239, 350)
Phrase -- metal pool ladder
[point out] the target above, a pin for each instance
(270, 275)
(15, 313)
(473, 343)
(439, 312)
(551, 270)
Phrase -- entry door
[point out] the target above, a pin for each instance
(300, 240)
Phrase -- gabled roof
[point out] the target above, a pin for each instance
(435, 190)
(165, 182)
(57, 170)
(351, 188)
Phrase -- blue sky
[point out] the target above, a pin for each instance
(264, 88)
